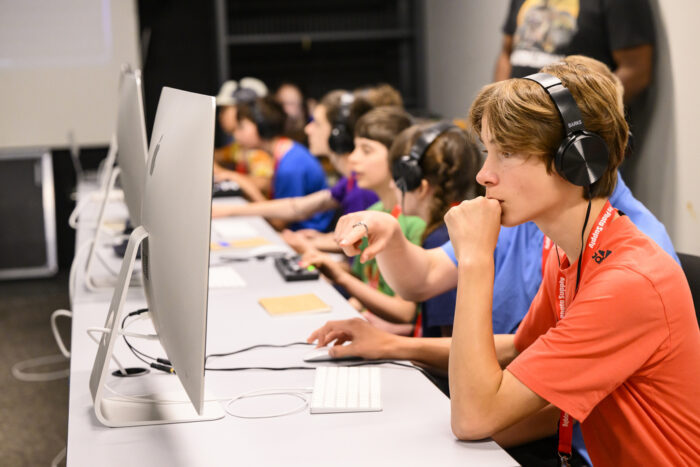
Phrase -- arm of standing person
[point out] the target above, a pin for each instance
(634, 68)
(630, 28)
(503, 67)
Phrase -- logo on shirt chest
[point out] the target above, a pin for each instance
(600, 255)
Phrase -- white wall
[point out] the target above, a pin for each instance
(464, 37)
(666, 176)
(59, 69)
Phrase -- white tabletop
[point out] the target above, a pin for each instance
(412, 429)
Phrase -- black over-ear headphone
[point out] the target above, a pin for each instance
(341, 140)
(582, 156)
(406, 169)
(249, 97)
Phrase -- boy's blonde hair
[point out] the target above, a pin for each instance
(523, 119)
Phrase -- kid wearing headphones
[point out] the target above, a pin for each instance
(337, 112)
(434, 166)
(334, 131)
(610, 339)
(250, 169)
(297, 172)
(374, 133)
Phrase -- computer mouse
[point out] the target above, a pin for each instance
(321, 354)
(271, 249)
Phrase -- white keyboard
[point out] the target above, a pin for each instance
(221, 277)
(228, 229)
(346, 389)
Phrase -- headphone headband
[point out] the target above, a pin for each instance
(406, 170)
(427, 137)
(244, 96)
(582, 156)
(568, 110)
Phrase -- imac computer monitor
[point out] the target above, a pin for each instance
(132, 145)
(132, 152)
(177, 217)
(175, 240)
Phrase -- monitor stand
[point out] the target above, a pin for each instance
(119, 411)
(92, 283)
(102, 177)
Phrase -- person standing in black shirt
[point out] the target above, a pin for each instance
(619, 33)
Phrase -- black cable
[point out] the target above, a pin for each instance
(583, 230)
(252, 347)
(268, 368)
(363, 363)
(137, 353)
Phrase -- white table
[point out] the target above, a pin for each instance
(412, 429)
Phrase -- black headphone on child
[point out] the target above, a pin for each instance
(582, 156)
(341, 139)
(249, 97)
(406, 170)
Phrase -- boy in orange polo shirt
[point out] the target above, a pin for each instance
(611, 338)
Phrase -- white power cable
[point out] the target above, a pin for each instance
(56, 334)
(59, 457)
(73, 219)
(79, 207)
(72, 277)
(299, 393)
(18, 369)
(90, 331)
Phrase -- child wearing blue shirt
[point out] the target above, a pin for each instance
(297, 171)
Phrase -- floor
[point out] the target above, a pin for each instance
(33, 415)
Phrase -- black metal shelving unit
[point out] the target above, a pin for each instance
(323, 44)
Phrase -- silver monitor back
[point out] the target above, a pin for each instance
(176, 213)
(132, 143)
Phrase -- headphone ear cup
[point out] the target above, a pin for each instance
(264, 130)
(582, 158)
(407, 173)
(340, 141)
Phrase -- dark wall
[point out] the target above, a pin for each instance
(178, 39)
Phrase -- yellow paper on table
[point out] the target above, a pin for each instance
(243, 243)
(294, 304)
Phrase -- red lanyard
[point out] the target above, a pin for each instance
(566, 426)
